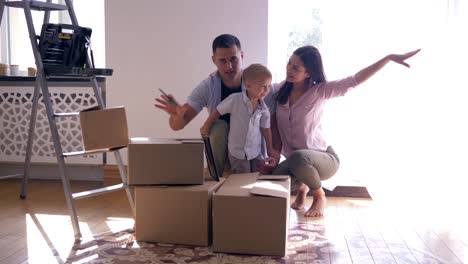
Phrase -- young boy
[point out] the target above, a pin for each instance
(250, 119)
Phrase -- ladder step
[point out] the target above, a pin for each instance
(82, 152)
(66, 114)
(37, 5)
(11, 176)
(72, 78)
(62, 70)
(95, 192)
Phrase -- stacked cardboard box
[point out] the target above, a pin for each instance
(175, 214)
(172, 198)
(165, 161)
(246, 213)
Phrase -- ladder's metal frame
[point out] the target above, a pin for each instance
(41, 86)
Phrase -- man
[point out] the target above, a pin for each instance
(227, 57)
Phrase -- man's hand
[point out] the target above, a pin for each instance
(164, 103)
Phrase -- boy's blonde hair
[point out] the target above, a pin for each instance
(254, 72)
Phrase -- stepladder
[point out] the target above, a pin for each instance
(54, 66)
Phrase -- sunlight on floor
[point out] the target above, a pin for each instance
(49, 232)
(116, 224)
(86, 260)
(360, 202)
(86, 249)
(50, 238)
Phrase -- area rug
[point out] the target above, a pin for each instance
(307, 243)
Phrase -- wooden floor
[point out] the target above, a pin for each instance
(365, 231)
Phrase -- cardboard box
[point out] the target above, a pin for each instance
(251, 214)
(104, 129)
(175, 214)
(165, 161)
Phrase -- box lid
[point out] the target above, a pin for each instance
(249, 184)
(276, 188)
(94, 108)
(273, 177)
(148, 140)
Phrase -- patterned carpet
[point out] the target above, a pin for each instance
(307, 243)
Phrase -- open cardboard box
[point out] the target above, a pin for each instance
(251, 214)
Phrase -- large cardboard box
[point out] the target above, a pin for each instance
(165, 161)
(251, 215)
(104, 129)
(175, 214)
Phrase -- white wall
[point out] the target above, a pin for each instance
(167, 44)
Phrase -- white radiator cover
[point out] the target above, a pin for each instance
(15, 112)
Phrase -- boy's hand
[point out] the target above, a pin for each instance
(205, 130)
(270, 163)
(274, 154)
(267, 165)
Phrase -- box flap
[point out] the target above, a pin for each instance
(238, 185)
(273, 177)
(190, 140)
(148, 140)
(96, 107)
(271, 188)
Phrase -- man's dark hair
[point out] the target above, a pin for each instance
(225, 41)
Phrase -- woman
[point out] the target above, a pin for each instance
(296, 124)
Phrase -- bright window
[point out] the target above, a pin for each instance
(90, 13)
(403, 127)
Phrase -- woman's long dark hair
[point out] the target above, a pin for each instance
(312, 60)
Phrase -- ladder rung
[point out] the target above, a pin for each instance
(66, 114)
(73, 71)
(95, 192)
(82, 152)
(68, 78)
(10, 176)
(37, 5)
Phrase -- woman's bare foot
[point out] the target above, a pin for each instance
(299, 203)
(318, 205)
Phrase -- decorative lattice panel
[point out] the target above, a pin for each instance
(15, 112)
